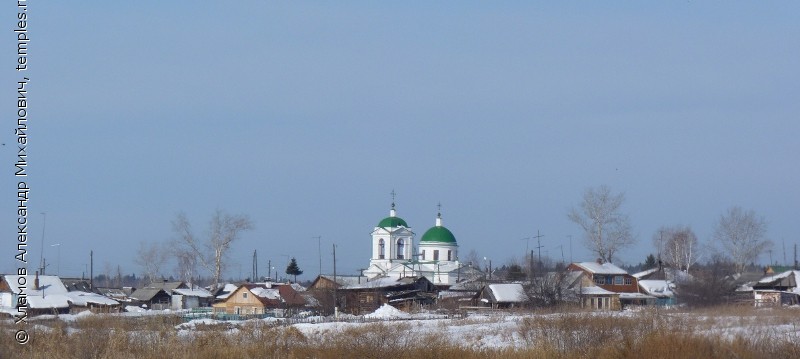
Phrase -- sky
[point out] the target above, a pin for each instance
(305, 116)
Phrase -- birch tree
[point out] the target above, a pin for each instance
(742, 236)
(606, 229)
(680, 246)
(151, 257)
(223, 230)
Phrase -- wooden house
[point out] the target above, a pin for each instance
(260, 299)
(404, 293)
(503, 296)
(777, 289)
(151, 298)
(623, 288)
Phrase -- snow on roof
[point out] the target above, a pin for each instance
(657, 288)
(51, 292)
(83, 299)
(508, 292)
(49, 283)
(227, 290)
(381, 282)
(298, 288)
(635, 296)
(267, 293)
(194, 292)
(775, 277)
(48, 301)
(605, 268)
(346, 280)
(595, 291)
(644, 273)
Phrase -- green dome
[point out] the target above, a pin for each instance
(438, 234)
(389, 222)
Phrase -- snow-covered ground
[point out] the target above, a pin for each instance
(499, 330)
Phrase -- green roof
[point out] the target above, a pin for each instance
(390, 222)
(438, 234)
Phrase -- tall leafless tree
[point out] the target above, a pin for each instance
(223, 230)
(606, 229)
(151, 257)
(678, 246)
(742, 236)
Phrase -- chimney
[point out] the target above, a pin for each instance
(36, 281)
(599, 261)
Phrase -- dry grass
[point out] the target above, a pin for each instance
(649, 333)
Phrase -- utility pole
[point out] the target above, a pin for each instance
(539, 246)
(41, 254)
(91, 269)
(319, 250)
(335, 284)
(255, 266)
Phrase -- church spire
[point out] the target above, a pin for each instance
(439, 215)
(393, 212)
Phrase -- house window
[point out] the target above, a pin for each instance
(401, 246)
(618, 280)
(244, 295)
(449, 255)
(628, 281)
(609, 279)
(436, 254)
(599, 280)
(381, 249)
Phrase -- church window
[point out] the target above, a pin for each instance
(401, 246)
(449, 255)
(381, 249)
(423, 254)
(436, 254)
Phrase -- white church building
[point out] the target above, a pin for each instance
(395, 255)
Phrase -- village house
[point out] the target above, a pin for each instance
(258, 299)
(151, 298)
(173, 295)
(777, 289)
(503, 296)
(618, 287)
(46, 294)
(405, 293)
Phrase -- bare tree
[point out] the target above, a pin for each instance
(151, 257)
(223, 231)
(606, 229)
(678, 246)
(741, 235)
(187, 265)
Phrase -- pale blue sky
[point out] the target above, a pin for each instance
(305, 116)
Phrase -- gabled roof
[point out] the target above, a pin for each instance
(597, 268)
(194, 292)
(387, 282)
(657, 287)
(343, 280)
(592, 290)
(507, 293)
(168, 287)
(76, 284)
(787, 280)
(49, 283)
(83, 299)
(146, 294)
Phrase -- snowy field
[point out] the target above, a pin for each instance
(715, 333)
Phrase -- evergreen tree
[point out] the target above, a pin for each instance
(293, 269)
(650, 262)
